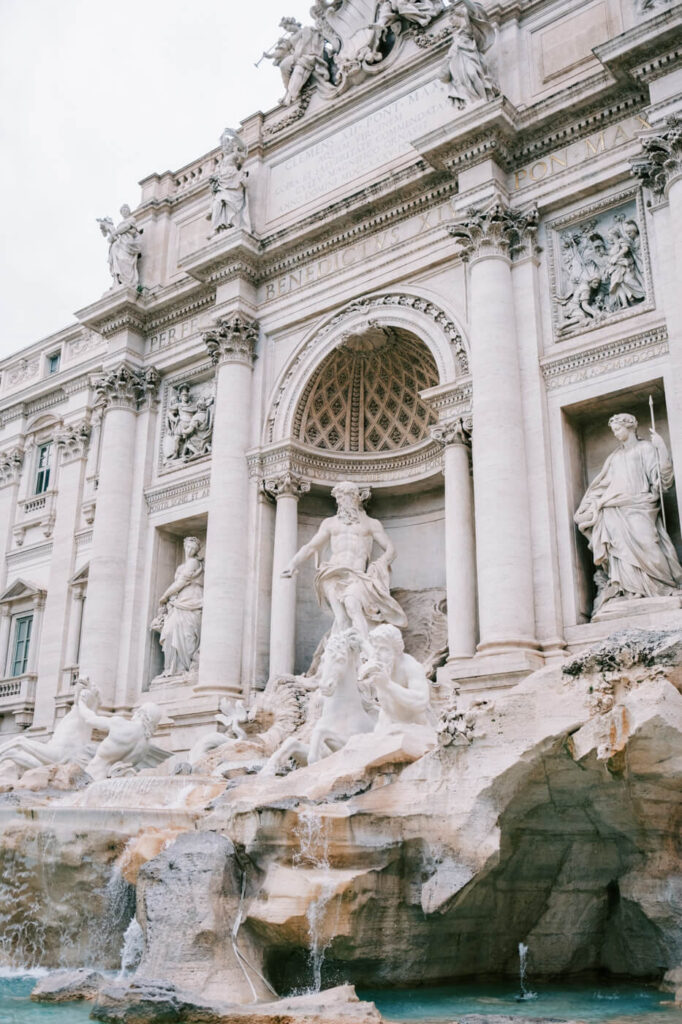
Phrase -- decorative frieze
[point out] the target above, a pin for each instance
(22, 372)
(661, 162)
(496, 230)
(597, 360)
(599, 265)
(126, 387)
(233, 339)
(72, 440)
(161, 498)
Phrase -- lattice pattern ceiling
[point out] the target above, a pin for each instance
(364, 397)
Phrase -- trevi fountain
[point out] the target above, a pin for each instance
(340, 603)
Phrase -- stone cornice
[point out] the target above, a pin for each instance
(232, 340)
(118, 310)
(160, 498)
(418, 462)
(233, 254)
(496, 230)
(163, 314)
(126, 387)
(661, 162)
(569, 368)
(648, 49)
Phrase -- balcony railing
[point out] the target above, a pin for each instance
(17, 697)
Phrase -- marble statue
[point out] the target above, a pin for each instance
(601, 269)
(189, 426)
(399, 681)
(348, 582)
(346, 710)
(466, 72)
(69, 741)
(178, 621)
(232, 716)
(414, 12)
(124, 249)
(298, 54)
(620, 515)
(229, 198)
(127, 743)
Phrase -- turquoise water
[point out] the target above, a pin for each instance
(597, 1002)
(16, 1007)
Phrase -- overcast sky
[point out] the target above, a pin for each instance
(95, 95)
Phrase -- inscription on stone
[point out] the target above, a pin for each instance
(355, 151)
(172, 335)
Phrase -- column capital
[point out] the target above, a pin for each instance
(72, 440)
(127, 387)
(496, 230)
(286, 485)
(453, 432)
(661, 161)
(11, 462)
(232, 340)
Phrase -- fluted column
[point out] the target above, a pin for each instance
(286, 489)
(71, 444)
(489, 237)
(231, 346)
(460, 541)
(659, 168)
(121, 393)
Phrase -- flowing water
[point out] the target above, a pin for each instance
(314, 853)
(17, 1008)
(524, 993)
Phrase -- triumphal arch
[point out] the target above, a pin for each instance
(445, 268)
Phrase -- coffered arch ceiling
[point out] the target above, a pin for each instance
(365, 394)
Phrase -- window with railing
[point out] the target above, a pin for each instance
(23, 626)
(43, 468)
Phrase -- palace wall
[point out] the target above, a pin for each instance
(455, 273)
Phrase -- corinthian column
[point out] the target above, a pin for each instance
(460, 543)
(286, 489)
(121, 393)
(489, 237)
(231, 345)
(659, 168)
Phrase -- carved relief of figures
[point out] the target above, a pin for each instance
(178, 621)
(124, 249)
(229, 199)
(189, 425)
(601, 269)
(298, 54)
(466, 73)
(621, 516)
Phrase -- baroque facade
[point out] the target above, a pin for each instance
(436, 269)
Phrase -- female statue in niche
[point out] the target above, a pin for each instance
(178, 621)
(620, 515)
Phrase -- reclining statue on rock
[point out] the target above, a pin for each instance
(126, 746)
(399, 682)
(345, 710)
(70, 740)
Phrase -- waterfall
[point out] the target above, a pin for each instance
(22, 916)
(314, 853)
(132, 948)
(525, 992)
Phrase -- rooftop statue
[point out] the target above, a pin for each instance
(298, 54)
(229, 199)
(348, 582)
(124, 249)
(621, 515)
(466, 71)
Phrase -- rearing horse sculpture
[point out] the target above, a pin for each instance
(343, 708)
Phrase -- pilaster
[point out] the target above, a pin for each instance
(286, 489)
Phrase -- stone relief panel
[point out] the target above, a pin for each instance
(187, 425)
(599, 266)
